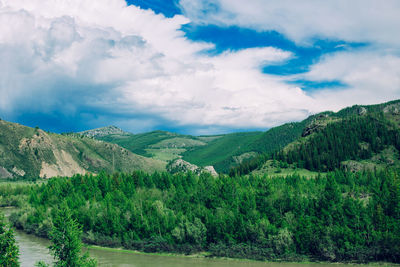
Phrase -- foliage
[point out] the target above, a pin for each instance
(341, 216)
(220, 151)
(24, 149)
(8, 248)
(66, 238)
(352, 138)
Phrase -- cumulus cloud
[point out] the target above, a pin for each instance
(371, 73)
(103, 62)
(372, 76)
(354, 21)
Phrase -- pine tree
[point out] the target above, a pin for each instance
(67, 244)
(8, 248)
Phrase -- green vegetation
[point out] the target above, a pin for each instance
(220, 152)
(67, 245)
(138, 143)
(159, 145)
(8, 249)
(280, 168)
(165, 154)
(29, 153)
(340, 216)
(354, 138)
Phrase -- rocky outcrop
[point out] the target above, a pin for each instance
(211, 170)
(4, 173)
(313, 127)
(362, 111)
(180, 165)
(65, 166)
(104, 131)
(18, 172)
(393, 109)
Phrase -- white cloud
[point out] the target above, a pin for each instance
(356, 21)
(372, 77)
(123, 62)
(370, 73)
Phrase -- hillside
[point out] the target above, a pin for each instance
(220, 151)
(355, 138)
(247, 150)
(160, 145)
(29, 152)
(104, 131)
(224, 151)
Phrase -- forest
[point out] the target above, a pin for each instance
(340, 216)
(324, 149)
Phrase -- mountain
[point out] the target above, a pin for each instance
(220, 151)
(32, 152)
(160, 145)
(355, 138)
(104, 131)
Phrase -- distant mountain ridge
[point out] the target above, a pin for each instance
(31, 152)
(104, 131)
(229, 150)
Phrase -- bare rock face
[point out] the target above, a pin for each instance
(104, 131)
(4, 173)
(180, 165)
(394, 109)
(211, 170)
(18, 172)
(313, 127)
(362, 111)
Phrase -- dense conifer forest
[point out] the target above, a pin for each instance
(342, 216)
(325, 148)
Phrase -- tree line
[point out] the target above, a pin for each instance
(65, 235)
(342, 216)
(351, 138)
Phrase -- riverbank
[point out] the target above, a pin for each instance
(34, 248)
(199, 255)
(206, 255)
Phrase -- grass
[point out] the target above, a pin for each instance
(389, 157)
(272, 168)
(205, 254)
(138, 143)
(165, 154)
(164, 254)
(178, 142)
(219, 152)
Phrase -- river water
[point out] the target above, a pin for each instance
(34, 249)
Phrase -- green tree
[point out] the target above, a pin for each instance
(8, 247)
(66, 237)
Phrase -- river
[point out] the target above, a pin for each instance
(34, 249)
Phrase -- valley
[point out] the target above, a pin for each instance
(323, 189)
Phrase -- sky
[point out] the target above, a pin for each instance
(193, 66)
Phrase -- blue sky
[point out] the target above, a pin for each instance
(193, 66)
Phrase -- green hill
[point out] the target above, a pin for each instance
(30, 152)
(220, 151)
(355, 138)
(248, 150)
(159, 145)
(224, 151)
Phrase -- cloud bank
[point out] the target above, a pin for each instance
(83, 64)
